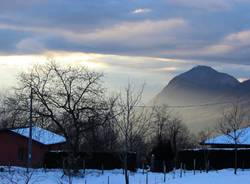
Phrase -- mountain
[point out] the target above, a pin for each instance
(204, 77)
(245, 86)
(198, 86)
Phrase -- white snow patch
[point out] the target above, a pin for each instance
(224, 139)
(39, 176)
(41, 135)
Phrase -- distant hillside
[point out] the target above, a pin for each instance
(203, 85)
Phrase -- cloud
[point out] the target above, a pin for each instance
(190, 29)
(232, 48)
(141, 11)
(128, 34)
(30, 45)
(221, 48)
(240, 38)
(156, 72)
(242, 79)
(230, 43)
(143, 31)
(200, 4)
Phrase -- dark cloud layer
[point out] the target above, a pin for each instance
(207, 31)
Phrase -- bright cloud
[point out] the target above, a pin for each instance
(130, 32)
(141, 11)
(231, 43)
(140, 33)
(240, 38)
(242, 79)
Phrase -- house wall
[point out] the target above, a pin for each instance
(14, 149)
(56, 147)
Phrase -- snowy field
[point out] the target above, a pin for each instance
(18, 176)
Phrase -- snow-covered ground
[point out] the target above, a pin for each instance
(18, 176)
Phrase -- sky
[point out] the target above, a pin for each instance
(145, 41)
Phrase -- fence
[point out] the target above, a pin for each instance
(214, 158)
(99, 160)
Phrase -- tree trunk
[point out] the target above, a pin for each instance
(235, 159)
(126, 168)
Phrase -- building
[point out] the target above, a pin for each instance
(14, 145)
(225, 141)
(218, 152)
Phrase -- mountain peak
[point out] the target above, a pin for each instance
(206, 70)
(203, 77)
(201, 71)
(203, 67)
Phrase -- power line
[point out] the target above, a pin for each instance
(193, 105)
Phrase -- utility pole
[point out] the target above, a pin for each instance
(30, 131)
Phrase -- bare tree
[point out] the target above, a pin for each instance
(203, 136)
(232, 125)
(102, 138)
(70, 99)
(161, 118)
(169, 127)
(178, 134)
(133, 122)
(11, 114)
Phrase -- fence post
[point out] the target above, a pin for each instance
(164, 169)
(83, 166)
(194, 166)
(143, 167)
(208, 166)
(102, 168)
(181, 171)
(152, 162)
(147, 177)
(108, 179)
(63, 164)
(9, 166)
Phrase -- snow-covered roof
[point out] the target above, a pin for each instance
(224, 139)
(41, 135)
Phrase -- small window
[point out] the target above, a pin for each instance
(22, 154)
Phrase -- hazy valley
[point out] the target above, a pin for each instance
(200, 95)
